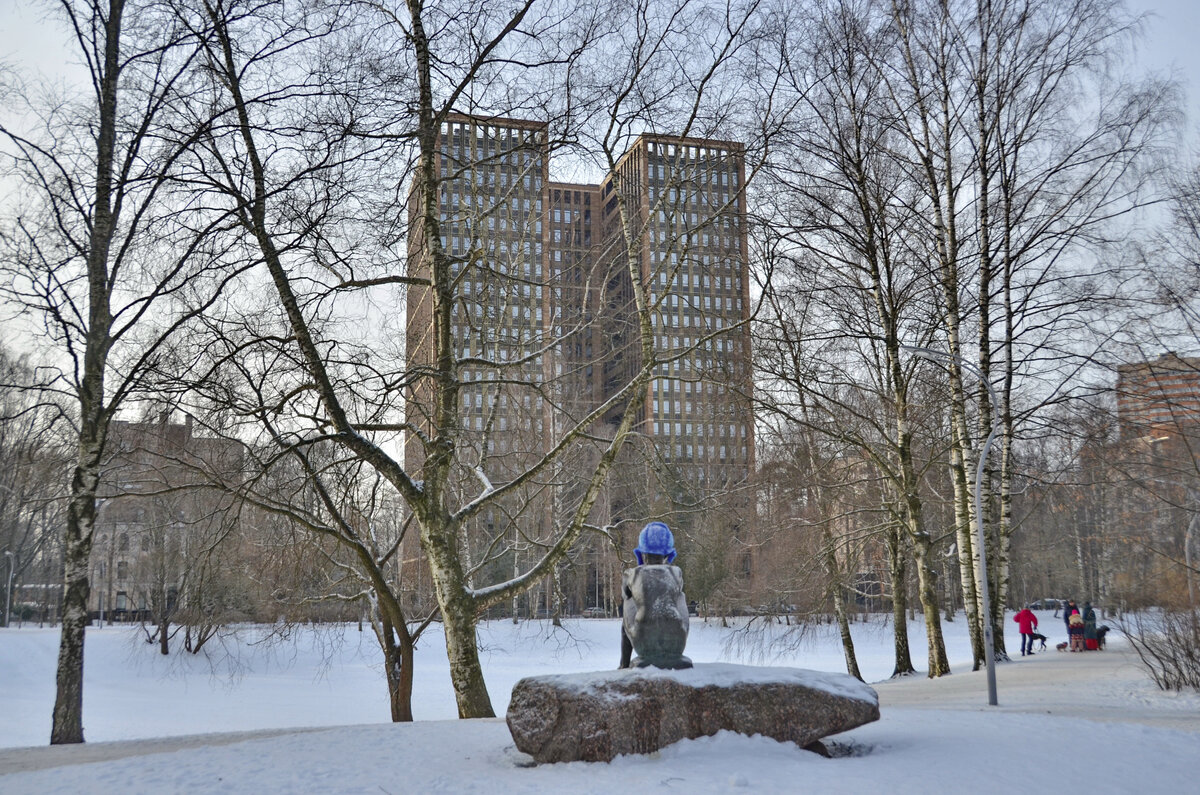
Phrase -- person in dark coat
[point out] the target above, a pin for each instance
(1090, 638)
(1027, 623)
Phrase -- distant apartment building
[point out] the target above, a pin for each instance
(687, 212)
(545, 327)
(1159, 396)
(153, 519)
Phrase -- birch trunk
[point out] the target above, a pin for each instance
(839, 606)
(939, 664)
(67, 725)
(931, 131)
(898, 574)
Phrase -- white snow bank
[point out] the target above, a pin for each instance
(907, 751)
(933, 735)
(724, 675)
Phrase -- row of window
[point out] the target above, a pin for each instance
(691, 237)
(460, 201)
(500, 248)
(461, 154)
(101, 571)
(688, 195)
(476, 423)
(497, 178)
(122, 603)
(691, 366)
(452, 239)
(693, 308)
(672, 343)
(671, 386)
(719, 171)
(518, 312)
(472, 376)
(505, 290)
(699, 430)
(570, 216)
(688, 151)
(705, 280)
(689, 452)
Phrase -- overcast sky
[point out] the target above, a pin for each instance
(1171, 41)
(1170, 46)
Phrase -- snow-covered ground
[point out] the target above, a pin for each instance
(1065, 721)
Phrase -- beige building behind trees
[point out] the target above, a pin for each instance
(165, 515)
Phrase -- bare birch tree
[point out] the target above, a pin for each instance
(95, 256)
(844, 217)
(318, 101)
(1022, 151)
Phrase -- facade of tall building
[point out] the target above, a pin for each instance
(1158, 396)
(687, 213)
(491, 208)
(1156, 467)
(545, 325)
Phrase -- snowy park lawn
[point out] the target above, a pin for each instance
(1090, 721)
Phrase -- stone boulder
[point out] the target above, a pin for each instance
(595, 717)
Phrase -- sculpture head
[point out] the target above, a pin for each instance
(655, 539)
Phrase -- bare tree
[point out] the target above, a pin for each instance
(31, 485)
(844, 214)
(1009, 150)
(93, 253)
(1063, 150)
(413, 70)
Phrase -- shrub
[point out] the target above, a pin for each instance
(1168, 645)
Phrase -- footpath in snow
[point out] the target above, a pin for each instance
(1104, 686)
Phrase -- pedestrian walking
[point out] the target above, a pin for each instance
(1027, 623)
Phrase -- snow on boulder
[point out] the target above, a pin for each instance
(595, 717)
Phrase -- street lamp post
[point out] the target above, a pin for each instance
(988, 642)
(12, 564)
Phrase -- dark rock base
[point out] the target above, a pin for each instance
(596, 717)
(672, 664)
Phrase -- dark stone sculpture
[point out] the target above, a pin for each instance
(656, 616)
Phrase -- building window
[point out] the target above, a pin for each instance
(122, 570)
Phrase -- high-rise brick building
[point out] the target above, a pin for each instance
(545, 326)
(1162, 395)
(687, 213)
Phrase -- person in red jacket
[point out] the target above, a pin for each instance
(1027, 622)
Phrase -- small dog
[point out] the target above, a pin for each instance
(1040, 638)
(1101, 631)
(1062, 646)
